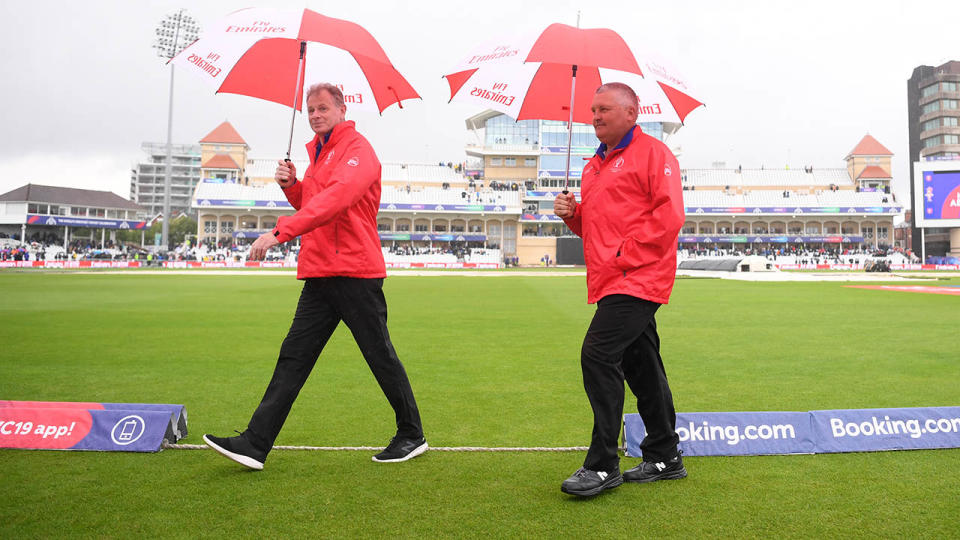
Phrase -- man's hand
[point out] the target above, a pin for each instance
(286, 173)
(259, 248)
(565, 205)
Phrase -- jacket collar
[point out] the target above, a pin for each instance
(338, 132)
(626, 140)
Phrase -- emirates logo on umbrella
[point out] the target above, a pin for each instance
(353, 162)
(667, 171)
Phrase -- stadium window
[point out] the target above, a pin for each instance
(933, 106)
(529, 162)
(383, 227)
(950, 86)
(403, 227)
(510, 162)
(929, 90)
(950, 121)
(931, 141)
(456, 228)
(951, 139)
(930, 124)
(55, 210)
(226, 226)
(209, 227)
(439, 228)
(77, 211)
(496, 162)
(949, 104)
(420, 227)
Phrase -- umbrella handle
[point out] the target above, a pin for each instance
(296, 91)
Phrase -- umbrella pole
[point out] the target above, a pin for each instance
(573, 91)
(296, 91)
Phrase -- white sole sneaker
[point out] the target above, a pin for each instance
(416, 452)
(246, 461)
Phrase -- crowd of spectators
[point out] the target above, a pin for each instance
(801, 255)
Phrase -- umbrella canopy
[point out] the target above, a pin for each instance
(257, 52)
(269, 54)
(533, 76)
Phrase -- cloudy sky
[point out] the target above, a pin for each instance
(785, 83)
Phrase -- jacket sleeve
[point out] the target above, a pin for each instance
(575, 223)
(293, 194)
(659, 234)
(354, 173)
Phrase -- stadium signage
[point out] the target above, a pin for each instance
(95, 223)
(452, 265)
(243, 203)
(540, 217)
(770, 238)
(130, 427)
(799, 210)
(812, 432)
(445, 207)
(69, 264)
(435, 237)
(574, 173)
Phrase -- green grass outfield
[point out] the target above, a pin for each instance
(493, 362)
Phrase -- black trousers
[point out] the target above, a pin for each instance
(324, 302)
(622, 344)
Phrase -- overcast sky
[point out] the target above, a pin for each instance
(785, 83)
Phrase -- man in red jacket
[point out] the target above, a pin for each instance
(342, 268)
(629, 216)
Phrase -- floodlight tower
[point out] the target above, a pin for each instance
(174, 33)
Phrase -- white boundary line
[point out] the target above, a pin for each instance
(432, 448)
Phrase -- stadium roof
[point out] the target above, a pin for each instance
(874, 172)
(224, 133)
(220, 161)
(479, 120)
(868, 146)
(69, 196)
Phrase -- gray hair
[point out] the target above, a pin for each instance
(628, 98)
(334, 92)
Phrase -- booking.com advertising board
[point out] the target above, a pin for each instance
(128, 427)
(811, 432)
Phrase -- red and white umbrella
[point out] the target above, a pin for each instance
(553, 75)
(270, 54)
(529, 77)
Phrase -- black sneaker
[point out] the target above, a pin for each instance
(401, 450)
(587, 483)
(237, 449)
(649, 471)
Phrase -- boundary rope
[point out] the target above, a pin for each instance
(432, 448)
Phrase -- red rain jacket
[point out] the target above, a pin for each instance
(629, 216)
(337, 203)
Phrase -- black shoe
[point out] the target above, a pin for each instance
(649, 471)
(587, 483)
(237, 449)
(401, 449)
